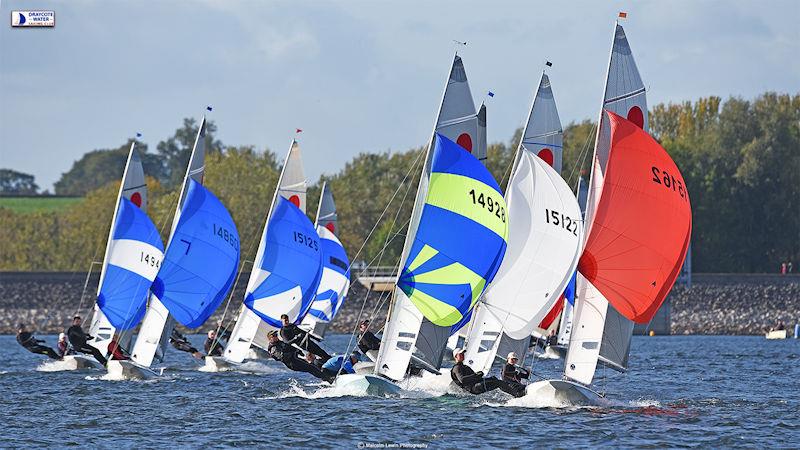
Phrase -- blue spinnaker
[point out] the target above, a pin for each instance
(461, 237)
(569, 291)
(335, 277)
(201, 260)
(290, 268)
(134, 258)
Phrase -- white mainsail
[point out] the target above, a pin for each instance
(406, 332)
(250, 329)
(565, 326)
(599, 332)
(133, 188)
(544, 240)
(157, 324)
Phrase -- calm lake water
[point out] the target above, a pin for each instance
(707, 392)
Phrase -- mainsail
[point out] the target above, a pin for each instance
(544, 237)
(441, 279)
(634, 186)
(289, 297)
(157, 324)
(335, 281)
(133, 255)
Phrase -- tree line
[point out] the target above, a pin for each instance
(740, 159)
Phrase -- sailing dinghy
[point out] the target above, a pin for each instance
(287, 268)
(197, 271)
(440, 278)
(637, 234)
(544, 242)
(133, 255)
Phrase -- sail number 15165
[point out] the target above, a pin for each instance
(487, 202)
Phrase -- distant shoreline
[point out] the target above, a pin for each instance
(715, 304)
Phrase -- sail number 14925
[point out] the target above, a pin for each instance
(488, 203)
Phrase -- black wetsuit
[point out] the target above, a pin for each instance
(474, 383)
(368, 341)
(292, 334)
(179, 342)
(78, 340)
(33, 345)
(514, 375)
(213, 347)
(285, 353)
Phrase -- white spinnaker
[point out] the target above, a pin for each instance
(404, 333)
(157, 324)
(133, 182)
(250, 329)
(624, 94)
(544, 242)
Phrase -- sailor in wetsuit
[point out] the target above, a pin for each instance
(63, 346)
(180, 343)
(366, 339)
(78, 340)
(513, 374)
(292, 334)
(285, 353)
(33, 345)
(213, 346)
(117, 352)
(475, 383)
(340, 364)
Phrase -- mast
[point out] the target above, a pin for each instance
(157, 324)
(599, 332)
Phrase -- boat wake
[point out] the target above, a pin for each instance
(432, 385)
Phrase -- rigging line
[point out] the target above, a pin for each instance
(374, 227)
(220, 322)
(584, 153)
(227, 304)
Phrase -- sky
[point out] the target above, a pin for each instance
(357, 76)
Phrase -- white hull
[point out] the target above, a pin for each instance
(364, 367)
(778, 334)
(127, 370)
(564, 393)
(216, 364)
(552, 352)
(80, 362)
(358, 384)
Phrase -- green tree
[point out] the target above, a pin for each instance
(17, 183)
(176, 150)
(100, 167)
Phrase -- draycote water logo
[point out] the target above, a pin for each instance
(33, 18)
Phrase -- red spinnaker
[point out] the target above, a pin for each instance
(642, 225)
